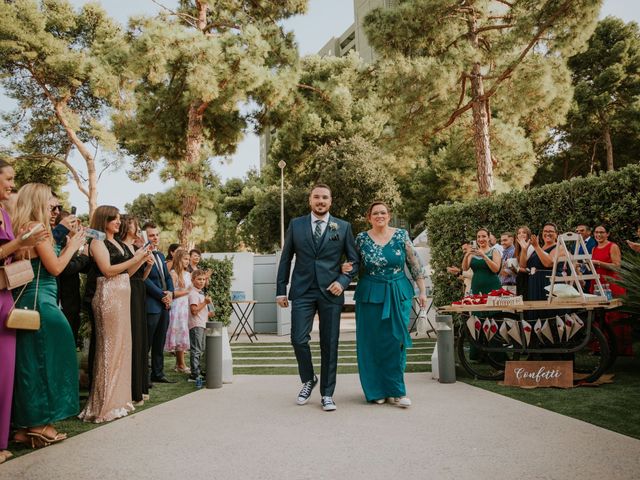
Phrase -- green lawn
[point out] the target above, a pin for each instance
(160, 393)
(613, 406)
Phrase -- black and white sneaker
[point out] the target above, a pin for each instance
(307, 388)
(328, 404)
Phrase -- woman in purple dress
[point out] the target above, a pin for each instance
(8, 245)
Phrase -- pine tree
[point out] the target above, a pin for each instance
(194, 69)
(61, 67)
(469, 63)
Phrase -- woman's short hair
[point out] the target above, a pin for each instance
(102, 216)
(32, 205)
(550, 224)
(375, 204)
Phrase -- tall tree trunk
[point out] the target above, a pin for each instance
(481, 134)
(609, 147)
(480, 112)
(92, 173)
(195, 138)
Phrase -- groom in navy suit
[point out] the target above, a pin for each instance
(319, 242)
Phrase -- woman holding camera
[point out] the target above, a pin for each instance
(110, 395)
(46, 378)
(485, 261)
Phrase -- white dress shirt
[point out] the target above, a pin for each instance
(323, 225)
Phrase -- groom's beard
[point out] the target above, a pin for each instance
(320, 210)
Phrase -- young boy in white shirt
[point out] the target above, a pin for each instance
(198, 314)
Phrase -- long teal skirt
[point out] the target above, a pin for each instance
(46, 378)
(381, 357)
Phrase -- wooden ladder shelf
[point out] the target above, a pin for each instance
(570, 246)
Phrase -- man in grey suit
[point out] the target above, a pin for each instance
(319, 242)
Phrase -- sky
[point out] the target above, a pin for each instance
(324, 19)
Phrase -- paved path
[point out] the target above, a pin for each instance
(252, 429)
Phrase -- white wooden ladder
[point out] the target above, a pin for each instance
(570, 246)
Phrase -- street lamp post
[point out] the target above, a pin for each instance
(281, 165)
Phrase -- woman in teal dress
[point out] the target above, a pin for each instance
(485, 261)
(46, 375)
(383, 303)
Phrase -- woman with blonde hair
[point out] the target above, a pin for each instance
(110, 395)
(9, 246)
(46, 375)
(178, 334)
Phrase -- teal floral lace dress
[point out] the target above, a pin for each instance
(383, 303)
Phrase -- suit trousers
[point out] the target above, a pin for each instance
(303, 310)
(157, 326)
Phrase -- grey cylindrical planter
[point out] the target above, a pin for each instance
(213, 352)
(446, 350)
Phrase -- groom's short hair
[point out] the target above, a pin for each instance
(320, 185)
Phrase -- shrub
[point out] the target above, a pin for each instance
(219, 287)
(611, 198)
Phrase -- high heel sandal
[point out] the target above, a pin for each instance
(40, 440)
(5, 455)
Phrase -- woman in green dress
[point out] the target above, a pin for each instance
(485, 261)
(46, 375)
(383, 303)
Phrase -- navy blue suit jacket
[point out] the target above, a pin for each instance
(322, 262)
(153, 283)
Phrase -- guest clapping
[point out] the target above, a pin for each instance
(485, 261)
(178, 333)
(129, 234)
(606, 257)
(110, 395)
(9, 245)
(46, 364)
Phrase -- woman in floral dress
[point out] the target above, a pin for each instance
(383, 304)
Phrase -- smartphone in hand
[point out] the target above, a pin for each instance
(34, 229)
(73, 210)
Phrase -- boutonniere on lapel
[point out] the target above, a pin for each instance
(333, 226)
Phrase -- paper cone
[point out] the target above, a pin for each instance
(504, 331)
(514, 332)
(527, 331)
(569, 323)
(493, 328)
(471, 325)
(537, 328)
(560, 328)
(546, 331)
(486, 329)
(577, 324)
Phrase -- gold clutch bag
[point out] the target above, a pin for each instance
(23, 319)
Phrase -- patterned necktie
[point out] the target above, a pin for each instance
(317, 232)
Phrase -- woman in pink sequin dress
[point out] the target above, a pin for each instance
(110, 395)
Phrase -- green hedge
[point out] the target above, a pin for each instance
(219, 287)
(610, 198)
